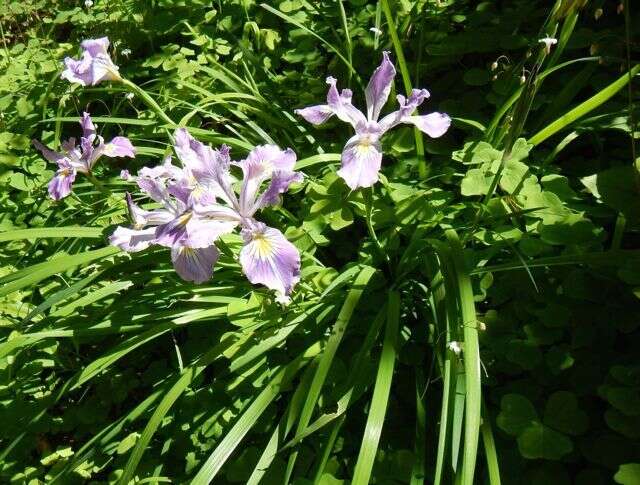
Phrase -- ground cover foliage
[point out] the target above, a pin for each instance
(471, 318)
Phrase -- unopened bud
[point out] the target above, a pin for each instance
(523, 79)
(494, 77)
(598, 13)
(620, 8)
(494, 66)
(593, 50)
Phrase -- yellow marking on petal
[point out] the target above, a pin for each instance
(262, 247)
(184, 218)
(188, 252)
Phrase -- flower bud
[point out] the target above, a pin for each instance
(598, 13)
(494, 66)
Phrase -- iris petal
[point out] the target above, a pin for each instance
(268, 258)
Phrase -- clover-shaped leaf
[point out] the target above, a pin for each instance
(516, 414)
(540, 441)
(563, 414)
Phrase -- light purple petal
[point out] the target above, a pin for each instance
(267, 258)
(60, 184)
(119, 147)
(194, 155)
(341, 105)
(202, 232)
(190, 229)
(125, 175)
(361, 161)
(47, 153)
(316, 115)
(88, 128)
(194, 265)
(379, 87)
(132, 240)
(142, 217)
(96, 46)
(78, 71)
(258, 167)
(94, 66)
(434, 124)
(407, 107)
(280, 182)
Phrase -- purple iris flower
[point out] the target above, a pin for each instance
(199, 204)
(94, 66)
(81, 158)
(362, 154)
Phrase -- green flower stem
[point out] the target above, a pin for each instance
(97, 184)
(368, 202)
(423, 171)
(149, 101)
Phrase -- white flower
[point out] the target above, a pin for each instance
(548, 42)
(129, 96)
(376, 31)
(88, 3)
(126, 52)
(455, 347)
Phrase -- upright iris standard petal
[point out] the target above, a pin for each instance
(94, 66)
(267, 258)
(259, 166)
(379, 87)
(204, 177)
(361, 161)
(194, 264)
(88, 128)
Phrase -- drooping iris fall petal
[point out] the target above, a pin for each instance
(194, 264)
(268, 258)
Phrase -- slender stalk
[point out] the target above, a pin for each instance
(97, 184)
(148, 100)
(406, 79)
(347, 37)
(368, 201)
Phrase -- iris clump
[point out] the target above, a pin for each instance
(362, 154)
(199, 205)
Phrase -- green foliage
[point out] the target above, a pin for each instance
(473, 318)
